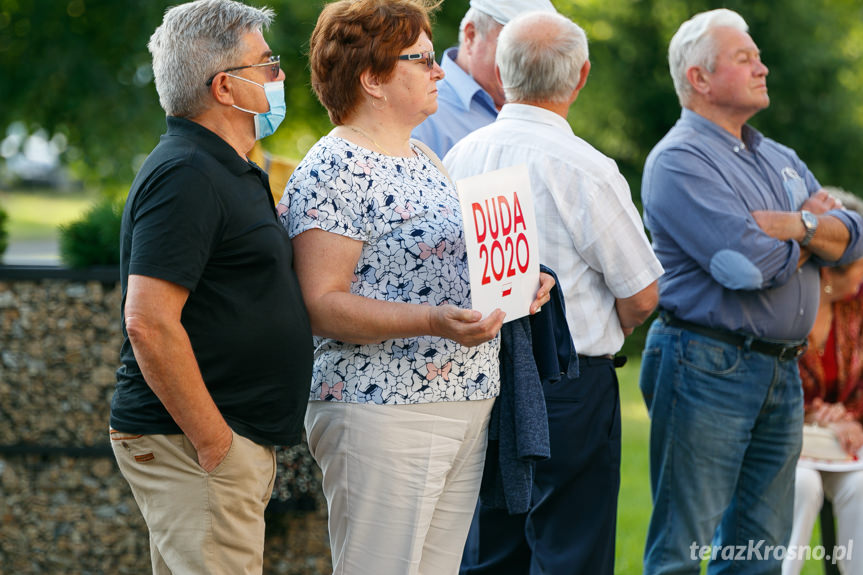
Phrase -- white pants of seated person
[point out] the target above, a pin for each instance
(845, 491)
(401, 482)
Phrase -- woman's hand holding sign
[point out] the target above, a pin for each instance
(464, 326)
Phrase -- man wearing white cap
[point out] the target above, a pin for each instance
(470, 94)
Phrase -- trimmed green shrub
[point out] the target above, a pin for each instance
(4, 233)
(93, 240)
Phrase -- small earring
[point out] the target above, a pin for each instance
(384, 100)
(828, 289)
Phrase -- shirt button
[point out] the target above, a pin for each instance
(801, 311)
(736, 148)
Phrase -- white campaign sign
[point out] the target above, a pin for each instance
(501, 238)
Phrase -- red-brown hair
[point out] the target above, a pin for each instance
(353, 36)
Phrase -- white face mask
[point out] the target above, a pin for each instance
(267, 122)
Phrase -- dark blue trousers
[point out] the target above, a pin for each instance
(570, 528)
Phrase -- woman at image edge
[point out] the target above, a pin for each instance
(405, 372)
(831, 372)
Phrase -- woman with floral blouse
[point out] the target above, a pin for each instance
(405, 373)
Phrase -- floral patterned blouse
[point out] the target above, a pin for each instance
(407, 215)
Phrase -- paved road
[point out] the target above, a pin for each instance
(43, 252)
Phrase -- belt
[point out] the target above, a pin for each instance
(615, 360)
(783, 351)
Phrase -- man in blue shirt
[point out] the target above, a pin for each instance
(470, 94)
(741, 227)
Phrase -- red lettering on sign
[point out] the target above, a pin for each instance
(495, 218)
(519, 215)
(519, 241)
(477, 209)
(493, 221)
(505, 220)
(483, 255)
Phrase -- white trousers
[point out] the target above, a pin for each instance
(845, 490)
(401, 482)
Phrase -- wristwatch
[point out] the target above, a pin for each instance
(810, 222)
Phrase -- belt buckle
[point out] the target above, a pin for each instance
(791, 352)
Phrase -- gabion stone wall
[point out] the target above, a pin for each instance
(64, 507)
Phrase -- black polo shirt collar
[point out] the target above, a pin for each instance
(210, 142)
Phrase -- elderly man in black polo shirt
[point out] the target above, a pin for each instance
(216, 355)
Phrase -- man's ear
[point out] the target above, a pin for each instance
(582, 75)
(222, 90)
(468, 37)
(698, 79)
(582, 80)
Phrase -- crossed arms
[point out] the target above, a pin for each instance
(831, 238)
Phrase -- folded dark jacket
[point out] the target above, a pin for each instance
(534, 350)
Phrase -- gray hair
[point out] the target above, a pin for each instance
(195, 41)
(482, 22)
(536, 67)
(693, 45)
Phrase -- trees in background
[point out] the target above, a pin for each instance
(813, 48)
(80, 69)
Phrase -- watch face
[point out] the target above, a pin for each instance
(809, 220)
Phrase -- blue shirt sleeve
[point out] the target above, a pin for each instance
(712, 223)
(854, 223)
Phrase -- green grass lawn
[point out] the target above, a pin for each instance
(634, 503)
(36, 214)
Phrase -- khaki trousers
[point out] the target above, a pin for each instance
(199, 522)
(401, 482)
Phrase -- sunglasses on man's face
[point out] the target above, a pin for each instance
(272, 62)
(427, 56)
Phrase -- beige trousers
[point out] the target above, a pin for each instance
(199, 522)
(401, 482)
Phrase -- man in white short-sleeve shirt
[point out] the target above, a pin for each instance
(591, 235)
